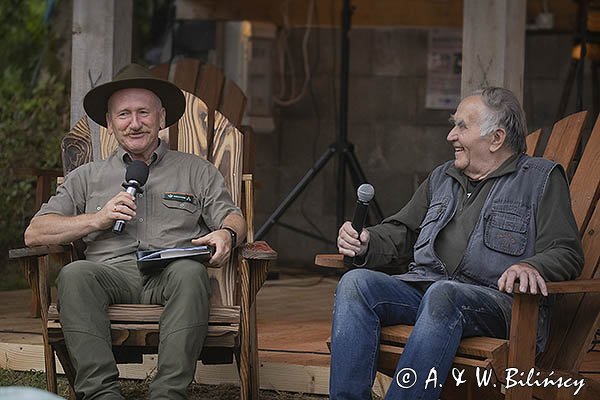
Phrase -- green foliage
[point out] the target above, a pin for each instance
(23, 33)
(33, 118)
(31, 124)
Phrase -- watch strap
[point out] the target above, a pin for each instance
(233, 234)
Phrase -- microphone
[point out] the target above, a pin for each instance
(365, 194)
(136, 176)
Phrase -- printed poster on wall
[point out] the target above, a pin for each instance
(444, 64)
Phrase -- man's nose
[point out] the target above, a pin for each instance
(451, 135)
(135, 121)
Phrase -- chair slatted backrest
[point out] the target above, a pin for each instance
(584, 190)
(203, 131)
(562, 145)
(533, 141)
(76, 146)
(575, 317)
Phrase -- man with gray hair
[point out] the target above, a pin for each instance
(479, 223)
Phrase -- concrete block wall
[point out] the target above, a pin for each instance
(397, 140)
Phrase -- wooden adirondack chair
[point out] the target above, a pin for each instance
(204, 131)
(575, 318)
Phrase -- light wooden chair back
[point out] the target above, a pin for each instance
(574, 318)
(533, 141)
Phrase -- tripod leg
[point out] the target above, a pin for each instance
(356, 170)
(566, 93)
(341, 189)
(300, 186)
(595, 90)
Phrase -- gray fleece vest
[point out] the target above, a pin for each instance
(504, 234)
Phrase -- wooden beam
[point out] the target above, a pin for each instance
(101, 46)
(427, 13)
(493, 45)
(366, 12)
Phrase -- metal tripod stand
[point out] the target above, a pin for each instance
(343, 149)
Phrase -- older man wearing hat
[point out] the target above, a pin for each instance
(134, 107)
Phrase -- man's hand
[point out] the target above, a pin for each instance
(349, 243)
(221, 240)
(122, 206)
(62, 229)
(529, 279)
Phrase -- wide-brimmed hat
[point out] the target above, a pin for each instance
(95, 101)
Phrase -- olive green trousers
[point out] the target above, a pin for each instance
(86, 289)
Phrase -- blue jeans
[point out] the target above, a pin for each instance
(446, 312)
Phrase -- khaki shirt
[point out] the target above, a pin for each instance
(184, 198)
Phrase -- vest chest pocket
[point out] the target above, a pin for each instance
(434, 213)
(506, 228)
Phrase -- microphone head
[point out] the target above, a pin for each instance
(137, 171)
(365, 193)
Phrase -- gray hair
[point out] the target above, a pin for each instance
(505, 112)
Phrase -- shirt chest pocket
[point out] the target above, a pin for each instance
(96, 202)
(506, 228)
(176, 218)
(173, 205)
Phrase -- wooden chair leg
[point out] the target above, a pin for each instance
(251, 279)
(50, 364)
(31, 275)
(253, 355)
(49, 360)
(258, 275)
(65, 361)
(523, 333)
(244, 358)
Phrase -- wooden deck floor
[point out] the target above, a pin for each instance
(294, 319)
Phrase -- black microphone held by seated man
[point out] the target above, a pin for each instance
(365, 194)
(136, 176)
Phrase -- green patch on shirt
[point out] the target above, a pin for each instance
(185, 197)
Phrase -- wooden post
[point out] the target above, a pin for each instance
(101, 46)
(493, 45)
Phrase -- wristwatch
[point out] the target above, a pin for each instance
(233, 236)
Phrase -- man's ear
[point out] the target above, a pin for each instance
(163, 117)
(498, 139)
(109, 129)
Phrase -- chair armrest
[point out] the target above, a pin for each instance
(52, 173)
(568, 287)
(575, 286)
(38, 251)
(257, 251)
(330, 260)
(524, 321)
